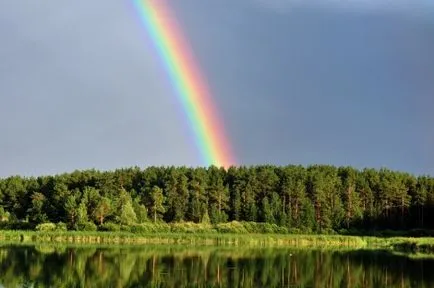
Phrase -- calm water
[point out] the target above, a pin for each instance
(156, 266)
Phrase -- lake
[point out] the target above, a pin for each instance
(182, 266)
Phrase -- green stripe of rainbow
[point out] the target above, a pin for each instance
(191, 88)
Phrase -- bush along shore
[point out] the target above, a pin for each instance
(248, 234)
(202, 239)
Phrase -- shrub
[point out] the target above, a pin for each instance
(191, 227)
(295, 231)
(148, 228)
(46, 227)
(60, 226)
(139, 228)
(282, 230)
(268, 228)
(328, 231)
(126, 228)
(231, 227)
(110, 226)
(87, 226)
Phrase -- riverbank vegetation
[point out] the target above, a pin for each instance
(414, 246)
(196, 239)
(260, 199)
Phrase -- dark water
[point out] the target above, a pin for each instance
(157, 266)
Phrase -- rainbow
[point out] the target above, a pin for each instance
(191, 88)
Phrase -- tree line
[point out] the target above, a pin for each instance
(317, 198)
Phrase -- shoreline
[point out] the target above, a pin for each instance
(394, 244)
(214, 239)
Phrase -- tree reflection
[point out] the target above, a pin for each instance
(156, 266)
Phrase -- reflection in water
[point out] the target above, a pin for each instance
(156, 266)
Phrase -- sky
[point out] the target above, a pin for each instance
(295, 82)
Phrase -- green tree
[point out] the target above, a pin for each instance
(4, 215)
(71, 209)
(372, 177)
(158, 200)
(205, 218)
(91, 197)
(176, 191)
(15, 197)
(278, 211)
(235, 182)
(367, 201)
(218, 196)
(419, 198)
(324, 193)
(57, 194)
(128, 215)
(249, 207)
(293, 193)
(197, 203)
(267, 212)
(82, 216)
(394, 198)
(125, 213)
(307, 216)
(140, 210)
(350, 197)
(37, 212)
(102, 210)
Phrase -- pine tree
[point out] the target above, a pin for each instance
(267, 212)
(293, 191)
(196, 205)
(350, 196)
(218, 196)
(176, 190)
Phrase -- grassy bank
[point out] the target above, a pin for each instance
(214, 239)
(399, 244)
(245, 234)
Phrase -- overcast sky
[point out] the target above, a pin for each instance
(297, 82)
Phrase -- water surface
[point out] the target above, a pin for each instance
(177, 266)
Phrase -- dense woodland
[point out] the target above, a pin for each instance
(314, 199)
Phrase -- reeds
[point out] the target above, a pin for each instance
(245, 234)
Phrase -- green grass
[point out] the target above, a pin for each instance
(237, 234)
(215, 239)
(402, 244)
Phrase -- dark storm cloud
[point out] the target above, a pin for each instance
(81, 86)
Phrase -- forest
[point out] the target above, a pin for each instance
(299, 199)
